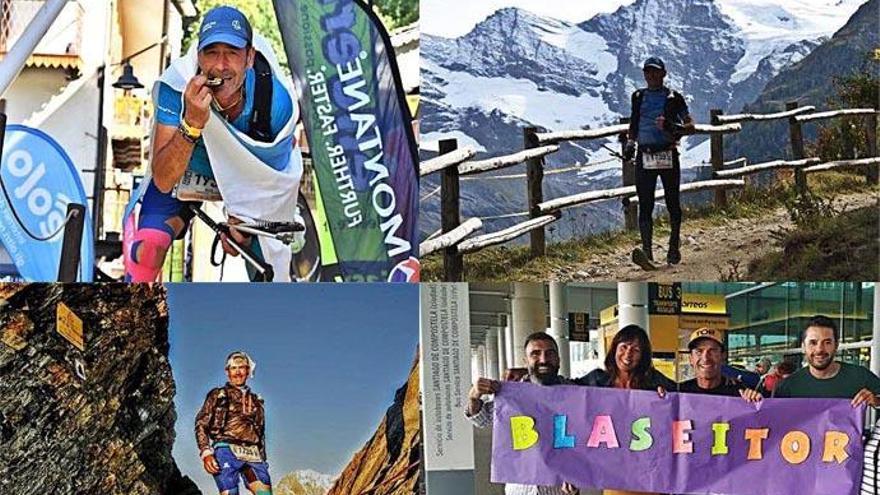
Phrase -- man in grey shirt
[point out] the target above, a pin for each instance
(542, 361)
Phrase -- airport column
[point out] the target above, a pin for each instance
(502, 347)
(475, 364)
(492, 353)
(508, 344)
(529, 316)
(559, 326)
(632, 304)
(875, 341)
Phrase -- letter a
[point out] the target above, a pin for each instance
(522, 431)
(603, 431)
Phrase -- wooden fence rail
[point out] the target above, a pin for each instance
(455, 238)
(450, 238)
(759, 167)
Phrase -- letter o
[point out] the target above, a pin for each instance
(20, 163)
(384, 211)
(795, 447)
(39, 202)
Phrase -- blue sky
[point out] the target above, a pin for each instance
(329, 359)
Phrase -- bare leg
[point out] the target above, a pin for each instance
(259, 488)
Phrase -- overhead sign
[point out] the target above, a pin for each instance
(70, 326)
(579, 327)
(682, 443)
(608, 315)
(40, 181)
(664, 299)
(704, 304)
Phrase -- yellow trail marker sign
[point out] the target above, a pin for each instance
(70, 326)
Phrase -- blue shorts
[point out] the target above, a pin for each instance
(233, 470)
(158, 207)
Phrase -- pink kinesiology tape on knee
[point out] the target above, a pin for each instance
(147, 254)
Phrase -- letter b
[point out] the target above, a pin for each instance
(522, 432)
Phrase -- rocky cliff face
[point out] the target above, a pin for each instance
(95, 420)
(389, 463)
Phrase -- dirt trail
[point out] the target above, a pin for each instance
(709, 252)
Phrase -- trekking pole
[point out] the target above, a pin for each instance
(265, 269)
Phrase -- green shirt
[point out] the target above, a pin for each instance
(844, 385)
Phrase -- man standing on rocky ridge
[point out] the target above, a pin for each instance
(231, 432)
(659, 117)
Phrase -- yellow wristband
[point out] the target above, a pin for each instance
(193, 132)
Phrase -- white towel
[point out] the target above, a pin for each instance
(251, 190)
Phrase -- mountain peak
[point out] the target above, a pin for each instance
(304, 482)
(514, 20)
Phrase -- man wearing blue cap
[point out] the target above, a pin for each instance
(225, 80)
(658, 120)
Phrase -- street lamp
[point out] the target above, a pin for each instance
(127, 81)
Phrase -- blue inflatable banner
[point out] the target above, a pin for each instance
(40, 181)
(360, 136)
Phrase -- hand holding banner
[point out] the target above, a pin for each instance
(683, 443)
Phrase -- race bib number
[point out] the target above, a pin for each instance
(196, 187)
(660, 160)
(246, 453)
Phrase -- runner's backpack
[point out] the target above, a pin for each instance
(674, 104)
(260, 124)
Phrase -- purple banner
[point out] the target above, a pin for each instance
(683, 443)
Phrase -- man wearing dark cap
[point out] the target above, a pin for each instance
(659, 117)
(225, 79)
(707, 355)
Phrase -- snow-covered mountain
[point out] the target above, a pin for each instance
(304, 482)
(516, 69)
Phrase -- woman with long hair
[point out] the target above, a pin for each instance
(628, 365)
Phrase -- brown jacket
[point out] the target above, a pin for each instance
(231, 415)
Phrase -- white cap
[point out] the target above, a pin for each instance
(241, 355)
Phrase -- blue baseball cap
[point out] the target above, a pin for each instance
(654, 62)
(225, 25)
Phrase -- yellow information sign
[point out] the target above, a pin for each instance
(608, 315)
(70, 326)
(703, 303)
